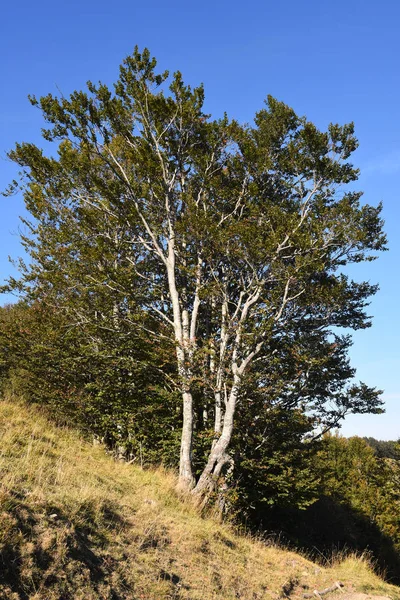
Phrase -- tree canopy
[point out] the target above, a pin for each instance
(209, 252)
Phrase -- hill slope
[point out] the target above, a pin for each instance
(76, 524)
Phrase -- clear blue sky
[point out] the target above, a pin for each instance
(333, 61)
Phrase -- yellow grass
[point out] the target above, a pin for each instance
(75, 524)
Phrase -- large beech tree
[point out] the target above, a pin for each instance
(225, 242)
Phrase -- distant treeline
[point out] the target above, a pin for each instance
(384, 448)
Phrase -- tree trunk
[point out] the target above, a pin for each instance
(186, 479)
(218, 455)
(218, 412)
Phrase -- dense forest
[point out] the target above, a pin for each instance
(183, 298)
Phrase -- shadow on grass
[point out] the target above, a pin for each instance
(45, 550)
(328, 528)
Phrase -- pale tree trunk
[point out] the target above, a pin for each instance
(186, 478)
(219, 372)
(218, 412)
(185, 330)
(218, 457)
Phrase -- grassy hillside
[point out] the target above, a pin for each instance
(75, 524)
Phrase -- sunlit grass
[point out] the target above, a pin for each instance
(74, 523)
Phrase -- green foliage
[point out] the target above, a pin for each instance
(383, 448)
(274, 464)
(172, 253)
(352, 473)
(107, 393)
(340, 497)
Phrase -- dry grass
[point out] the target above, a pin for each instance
(75, 524)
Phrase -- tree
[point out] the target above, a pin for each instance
(383, 448)
(352, 473)
(224, 241)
